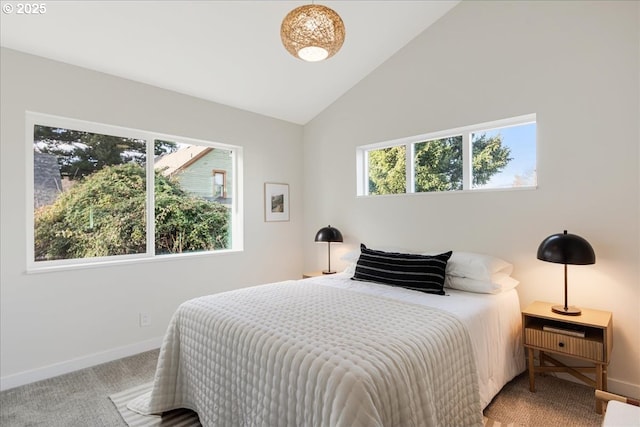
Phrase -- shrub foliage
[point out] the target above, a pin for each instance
(104, 214)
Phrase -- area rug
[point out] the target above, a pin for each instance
(185, 417)
(176, 418)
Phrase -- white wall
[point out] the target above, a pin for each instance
(575, 64)
(53, 322)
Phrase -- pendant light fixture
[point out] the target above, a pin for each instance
(312, 32)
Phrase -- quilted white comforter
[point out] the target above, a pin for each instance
(303, 354)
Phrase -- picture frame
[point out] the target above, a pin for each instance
(276, 201)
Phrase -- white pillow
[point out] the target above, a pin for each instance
(502, 282)
(351, 268)
(505, 281)
(477, 266)
(351, 256)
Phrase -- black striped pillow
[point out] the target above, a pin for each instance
(423, 273)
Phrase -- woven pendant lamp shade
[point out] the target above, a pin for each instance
(312, 32)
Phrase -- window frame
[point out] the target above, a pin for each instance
(362, 156)
(237, 235)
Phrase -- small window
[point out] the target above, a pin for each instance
(387, 170)
(219, 184)
(438, 164)
(496, 155)
(505, 157)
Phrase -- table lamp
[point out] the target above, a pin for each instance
(564, 248)
(328, 234)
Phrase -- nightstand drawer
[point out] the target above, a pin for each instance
(560, 343)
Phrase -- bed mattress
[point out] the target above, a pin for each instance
(329, 351)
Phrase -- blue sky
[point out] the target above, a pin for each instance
(521, 139)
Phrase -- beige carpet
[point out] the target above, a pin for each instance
(556, 402)
(185, 417)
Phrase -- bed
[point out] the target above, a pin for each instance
(331, 351)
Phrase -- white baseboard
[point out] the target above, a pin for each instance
(27, 377)
(620, 387)
(623, 388)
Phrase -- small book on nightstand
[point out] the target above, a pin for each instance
(565, 331)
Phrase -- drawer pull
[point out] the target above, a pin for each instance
(560, 344)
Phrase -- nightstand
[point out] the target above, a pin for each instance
(588, 337)
(311, 274)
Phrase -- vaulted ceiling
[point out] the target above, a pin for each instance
(223, 51)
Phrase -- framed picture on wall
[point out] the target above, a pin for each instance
(276, 202)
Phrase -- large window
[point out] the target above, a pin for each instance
(496, 155)
(97, 196)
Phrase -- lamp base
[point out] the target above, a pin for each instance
(570, 311)
(328, 272)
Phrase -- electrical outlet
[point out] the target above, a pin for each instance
(145, 320)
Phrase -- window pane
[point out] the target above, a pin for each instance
(89, 194)
(219, 184)
(438, 164)
(387, 174)
(504, 157)
(192, 199)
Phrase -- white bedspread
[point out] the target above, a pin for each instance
(302, 353)
(494, 323)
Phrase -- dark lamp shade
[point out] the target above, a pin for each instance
(563, 248)
(328, 234)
